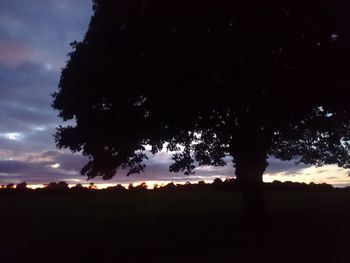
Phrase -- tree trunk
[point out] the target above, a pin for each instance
(250, 166)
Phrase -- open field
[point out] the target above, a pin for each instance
(172, 227)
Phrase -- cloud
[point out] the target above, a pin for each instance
(289, 168)
(40, 168)
(34, 42)
(57, 165)
(44, 28)
(12, 167)
(67, 160)
(27, 87)
(13, 53)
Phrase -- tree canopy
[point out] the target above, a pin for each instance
(247, 79)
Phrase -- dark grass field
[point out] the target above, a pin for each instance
(173, 227)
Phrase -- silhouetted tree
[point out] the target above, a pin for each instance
(217, 181)
(247, 79)
(119, 187)
(170, 186)
(10, 186)
(141, 187)
(229, 181)
(22, 186)
(295, 186)
(60, 186)
(78, 186)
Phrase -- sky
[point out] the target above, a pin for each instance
(34, 43)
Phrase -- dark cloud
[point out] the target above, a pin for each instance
(40, 168)
(25, 97)
(18, 118)
(34, 43)
(13, 167)
(17, 54)
(37, 168)
(287, 167)
(18, 171)
(45, 27)
(331, 177)
(67, 160)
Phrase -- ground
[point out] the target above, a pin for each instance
(199, 226)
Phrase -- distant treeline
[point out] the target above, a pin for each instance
(218, 184)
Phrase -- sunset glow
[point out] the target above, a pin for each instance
(330, 174)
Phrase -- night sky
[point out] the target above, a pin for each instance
(34, 43)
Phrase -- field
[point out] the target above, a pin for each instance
(204, 226)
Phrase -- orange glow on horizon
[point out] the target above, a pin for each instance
(150, 184)
(330, 174)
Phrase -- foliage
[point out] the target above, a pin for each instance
(10, 186)
(22, 186)
(245, 79)
(60, 186)
(230, 185)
